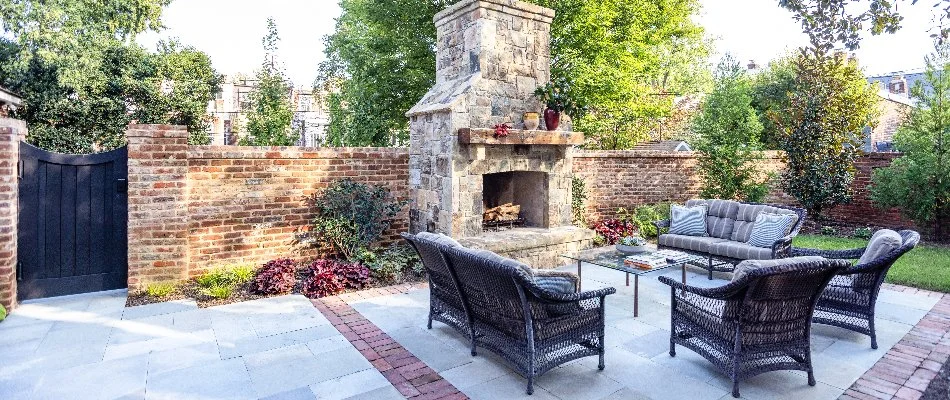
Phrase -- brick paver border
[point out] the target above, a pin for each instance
(409, 375)
(906, 369)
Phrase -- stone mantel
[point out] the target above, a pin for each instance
(519, 137)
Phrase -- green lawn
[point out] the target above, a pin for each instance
(925, 267)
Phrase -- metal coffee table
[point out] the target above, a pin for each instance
(609, 257)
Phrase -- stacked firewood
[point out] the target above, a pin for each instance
(504, 212)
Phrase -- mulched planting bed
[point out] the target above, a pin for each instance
(939, 388)
(243, 292)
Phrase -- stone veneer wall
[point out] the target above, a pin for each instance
(11, 133)
(490, 57)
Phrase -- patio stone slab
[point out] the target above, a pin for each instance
(106, 380)
(350, 385)
(221, 379)
(167, 307)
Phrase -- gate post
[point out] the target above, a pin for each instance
(12, 131)
(158, 207)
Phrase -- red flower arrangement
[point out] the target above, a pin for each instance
(501, 130)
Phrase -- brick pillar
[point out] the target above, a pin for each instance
(158, 208)
(11, 133)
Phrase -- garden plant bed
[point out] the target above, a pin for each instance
(245, 292)
(939, 388)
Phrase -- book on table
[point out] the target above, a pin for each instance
(645, 261)
(673, 256)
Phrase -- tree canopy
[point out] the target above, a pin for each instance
(83, 80)
(625, 60)
(271, 114)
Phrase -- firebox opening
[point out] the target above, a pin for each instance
(514, 196)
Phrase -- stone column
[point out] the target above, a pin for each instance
(11, 133)
(158, 207)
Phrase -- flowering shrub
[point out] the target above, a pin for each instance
(612, 230)
(328, 277)
(276, 277)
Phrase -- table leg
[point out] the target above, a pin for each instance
(578, 275)
(628, 279)
(684, 273)
(636, 296)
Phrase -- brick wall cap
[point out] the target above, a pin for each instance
(653, 154)
(512, 7)
(235, 152)
(149, 130)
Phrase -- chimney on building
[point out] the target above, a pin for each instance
(752, 65)
(897, 85)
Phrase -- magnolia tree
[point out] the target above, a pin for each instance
(821, 129)
(271, 114)
(919, 181)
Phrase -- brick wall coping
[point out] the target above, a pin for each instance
(771, 154)
(164, 131)
(232, 152)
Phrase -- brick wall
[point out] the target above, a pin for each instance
(11, 133)
(158, 217)
(247, 204)
(630, 178)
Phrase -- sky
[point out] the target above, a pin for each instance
(230, 31)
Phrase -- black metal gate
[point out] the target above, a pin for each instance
(73, 211)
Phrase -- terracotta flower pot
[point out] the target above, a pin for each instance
(551, 119)
(531, 121)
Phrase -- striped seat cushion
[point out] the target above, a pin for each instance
(740, 251)
(694, 243)
(768, 228)
(689, 221)
(556, 284)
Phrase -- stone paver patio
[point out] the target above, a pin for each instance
(91, 346)
(638, 363)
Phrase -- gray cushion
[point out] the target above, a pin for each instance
(741, 251)
(557, 284)
(440, 239)
(882, 242)
(745, 219)
(744, 267)
(695, 243)
(502, 260)
(690, 221)
(769, 228)
(720, 217)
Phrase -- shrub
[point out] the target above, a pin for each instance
(3, 313)
(729, 133)
(643, 217)
(276, 277)
(242, 273)
(829, 230)
(393, 263)
(918, 182)
(350, 275)
(219, 291)
(578, 200)
(863, 233)
(214, 277)
(612, 230)
(321, 283)
(160, 289)
(351, 216)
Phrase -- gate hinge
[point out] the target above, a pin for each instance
(19, 169)
(19, 270)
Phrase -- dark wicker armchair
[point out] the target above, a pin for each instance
(445, 300)
(531, 327)
(757, 323)
(849, 300)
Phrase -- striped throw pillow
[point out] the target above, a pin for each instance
(688, 221)
(768, 228)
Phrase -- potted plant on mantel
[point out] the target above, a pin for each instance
(556, 97)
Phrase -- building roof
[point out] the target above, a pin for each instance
(912, 77)
(663, 145)
(897, 98)
(8, 98)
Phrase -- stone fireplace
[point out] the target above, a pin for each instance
(490, 57)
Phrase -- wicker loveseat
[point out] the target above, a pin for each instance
(849, 300)
(759, 322)
(529, 318)
(729, 225)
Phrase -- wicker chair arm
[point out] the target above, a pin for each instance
(851, 254)
(665, 223)
(723, 292)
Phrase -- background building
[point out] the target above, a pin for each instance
(229, 109)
